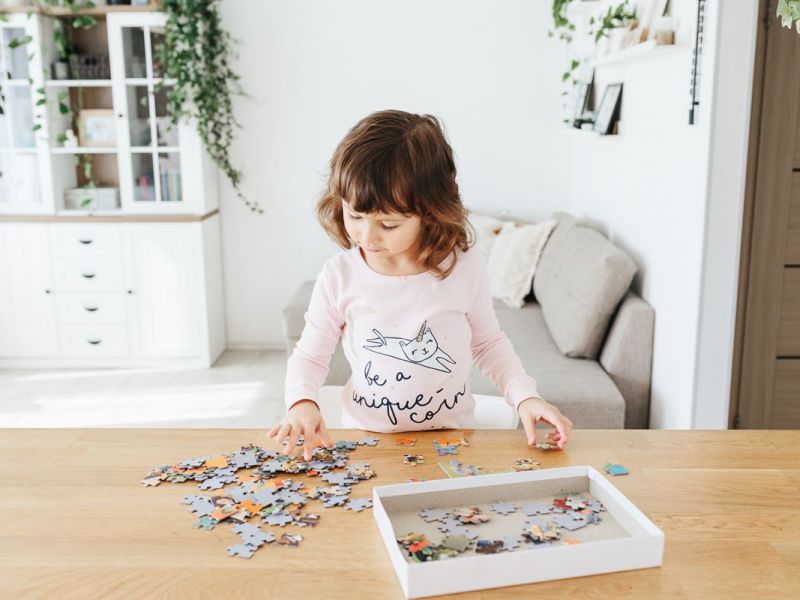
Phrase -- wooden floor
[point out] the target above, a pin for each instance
(243, 389)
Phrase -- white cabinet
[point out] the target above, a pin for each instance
(164, 279)
(27, 305)
(120, 294)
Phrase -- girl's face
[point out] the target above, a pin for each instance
(383, 236)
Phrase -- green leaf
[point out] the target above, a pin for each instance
(41, 101)
(36, 127)
(17, 42)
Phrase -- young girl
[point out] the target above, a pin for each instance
(408, 297)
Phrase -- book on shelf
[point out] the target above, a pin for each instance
(171, 185)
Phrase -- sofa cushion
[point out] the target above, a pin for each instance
(580, 280)
(581, 389)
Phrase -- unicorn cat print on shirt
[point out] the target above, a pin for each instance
(422, 350)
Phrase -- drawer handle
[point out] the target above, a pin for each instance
(88, 275)
(85, 242)
(94, 342)
(90, 308)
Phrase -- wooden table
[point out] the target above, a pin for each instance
(78, 524)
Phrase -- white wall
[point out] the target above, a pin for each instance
(736, 40)
(647, 189)
(314, 68)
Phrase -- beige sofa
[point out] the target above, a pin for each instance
(583, 334)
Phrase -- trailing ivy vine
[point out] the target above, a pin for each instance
(195, 55)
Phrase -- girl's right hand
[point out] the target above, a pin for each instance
(303, 418)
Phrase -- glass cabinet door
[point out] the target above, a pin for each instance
(152, 163)
(19, 180)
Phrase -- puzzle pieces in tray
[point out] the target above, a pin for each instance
(542, 527)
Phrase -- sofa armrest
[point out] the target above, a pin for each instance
(627, 356)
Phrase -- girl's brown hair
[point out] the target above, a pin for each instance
(397, 162)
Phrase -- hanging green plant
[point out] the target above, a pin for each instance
(195, 55)
(616, 16)
(788, 12)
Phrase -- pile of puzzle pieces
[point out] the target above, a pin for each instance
(276, 501)
(542, 527)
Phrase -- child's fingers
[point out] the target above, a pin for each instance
(308, 444)
(283, 431)
(324, 436)
(274, 431)
(564, 426)
(291, 441)
(530, 430)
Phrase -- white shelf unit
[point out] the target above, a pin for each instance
(140, 285)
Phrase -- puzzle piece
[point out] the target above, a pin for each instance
(433, 514)
(280, 519)
(444, 450)
(534, 508)
(406, 441)
(459, 543)
(335, 501)
(567, 522)
(359, 504)
(503, 508)
(526, 464)
(455, 469)
(289, 539)
(205, 522)
(613, 469)
(338, 478)
(489, 546)
(368, 441)
(511, 542)
(413, 459)
(242, 550)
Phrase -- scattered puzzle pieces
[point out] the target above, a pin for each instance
(406, 441)
(261, 494)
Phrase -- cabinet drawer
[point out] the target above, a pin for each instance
(93, 340)
(91, 307)
(87, 273)
(85, 239)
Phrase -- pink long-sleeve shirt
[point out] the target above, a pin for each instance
(410, 341)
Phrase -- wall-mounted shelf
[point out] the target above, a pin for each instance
(644, 51)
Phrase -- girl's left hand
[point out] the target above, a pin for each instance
(532, 410)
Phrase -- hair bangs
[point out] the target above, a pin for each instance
(376, 184)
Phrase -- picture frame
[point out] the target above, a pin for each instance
(609, 108)
(582, 101)
(97, 128)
